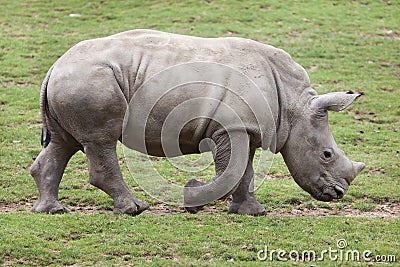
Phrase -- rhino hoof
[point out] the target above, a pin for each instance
(194, 210)
(248, 207)
(52, 208)
(134, 208)
(131, 210)
(141, 206)
(59, 210)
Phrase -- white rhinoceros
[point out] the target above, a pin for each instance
(240, 95)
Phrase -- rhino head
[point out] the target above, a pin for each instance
(311, 153)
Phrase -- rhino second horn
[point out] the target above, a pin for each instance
(358, 166)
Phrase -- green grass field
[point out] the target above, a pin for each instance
(344, 45)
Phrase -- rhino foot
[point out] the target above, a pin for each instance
(131, 206)
(249, 206)
(194, 210)
(194, 183)
(49, 207)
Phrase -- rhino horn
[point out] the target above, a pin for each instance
(335, 101)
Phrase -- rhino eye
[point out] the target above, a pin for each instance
(327, 154)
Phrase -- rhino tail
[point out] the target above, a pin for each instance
(44, 109)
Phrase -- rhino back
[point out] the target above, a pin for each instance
(105, 73)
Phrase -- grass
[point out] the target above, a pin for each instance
(185, 239)
(343, 45)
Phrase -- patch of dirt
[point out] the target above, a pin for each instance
(16, 36)
(387, 211)
(35, 125)
(376, 171)
(89, 210)
(386, 90)
(384, 210)
(386, 2)
(277, 177)
(370, 116)
(390, 34)
(17, 83)
(8, 207)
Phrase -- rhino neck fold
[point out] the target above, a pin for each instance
(293, 96)
(282, 126)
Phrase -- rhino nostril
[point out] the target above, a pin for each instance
(339, 191)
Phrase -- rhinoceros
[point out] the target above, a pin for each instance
(88, 92)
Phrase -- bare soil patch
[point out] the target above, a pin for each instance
(384, 210)
(17, 83)
(387, 210)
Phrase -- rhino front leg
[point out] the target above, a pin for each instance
(194, 183)
(47, 171)
(244, 201)
(105, 174)
(229, 167)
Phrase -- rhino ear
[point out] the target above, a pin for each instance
(335, 101)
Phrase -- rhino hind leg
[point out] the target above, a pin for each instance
(244, 201)
(47, 171)
(105, 174)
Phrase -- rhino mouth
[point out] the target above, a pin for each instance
(331, 188)
(331, 192)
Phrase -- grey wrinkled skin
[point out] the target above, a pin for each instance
(85, 95)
